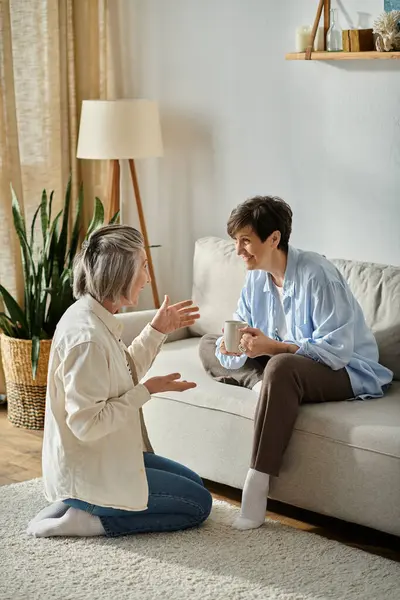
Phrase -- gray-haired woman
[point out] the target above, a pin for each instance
(97, 471)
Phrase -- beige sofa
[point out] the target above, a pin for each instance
(343, 459)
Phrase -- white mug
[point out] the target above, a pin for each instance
(232, 335)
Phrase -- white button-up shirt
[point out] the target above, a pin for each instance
(92, 447)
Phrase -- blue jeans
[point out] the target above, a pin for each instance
(177, 500)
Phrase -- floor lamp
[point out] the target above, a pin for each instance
(115, 130)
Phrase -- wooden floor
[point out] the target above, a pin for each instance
(20, 460)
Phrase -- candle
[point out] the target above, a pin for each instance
(303, 35)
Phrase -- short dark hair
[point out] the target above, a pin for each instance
(264, 214)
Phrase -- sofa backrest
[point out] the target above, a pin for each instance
(377, 289)
(218, 277)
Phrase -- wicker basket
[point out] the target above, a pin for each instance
(26, 397)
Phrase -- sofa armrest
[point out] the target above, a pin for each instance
(134, 322)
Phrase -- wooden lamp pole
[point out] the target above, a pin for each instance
(143, 229)
(113, 191)
(114, 206)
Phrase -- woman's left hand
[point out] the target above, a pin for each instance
(169, 318)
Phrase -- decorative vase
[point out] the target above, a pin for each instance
(334, 41)
(26, 397)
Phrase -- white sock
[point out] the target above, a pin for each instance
(257, 388)
(75, 522)
(55, 510)
(254, 501)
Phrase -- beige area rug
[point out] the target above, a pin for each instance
(210, 563)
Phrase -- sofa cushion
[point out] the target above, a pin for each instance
(377, 289)
(183, 357)
(372, 425)
(219, 275)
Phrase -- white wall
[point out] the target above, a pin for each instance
(239, 120)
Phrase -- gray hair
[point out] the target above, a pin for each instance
(108, 263)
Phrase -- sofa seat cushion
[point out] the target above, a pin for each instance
(372, 425)
(183, 357)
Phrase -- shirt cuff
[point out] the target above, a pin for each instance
(306, 349)
(139, 395)
(231, 362)
(154, 334)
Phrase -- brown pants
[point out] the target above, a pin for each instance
(288, 381)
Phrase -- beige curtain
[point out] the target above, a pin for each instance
(53, 54)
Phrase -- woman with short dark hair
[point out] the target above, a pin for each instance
(306, 340)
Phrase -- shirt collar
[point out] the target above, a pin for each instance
(290, 273)
(109, 320)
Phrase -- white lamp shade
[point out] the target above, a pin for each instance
(112, 129)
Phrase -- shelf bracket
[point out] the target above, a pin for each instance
(324, 5)
(327, 19)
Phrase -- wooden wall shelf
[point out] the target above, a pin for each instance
(345, 56)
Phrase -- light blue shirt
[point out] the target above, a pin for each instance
(322, 317)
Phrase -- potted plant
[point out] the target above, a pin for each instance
(27, 330)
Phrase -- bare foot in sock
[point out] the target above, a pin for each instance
(74, 522)
(52, 511)
(254, 501)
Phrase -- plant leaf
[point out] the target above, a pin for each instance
(51, 248)
(43, 216)
(33, 227)
(39, 296)
(35, 354)
(16, 313)
(27, 302)
(97, 219)
(115, 218)
(53, 230)
(28, 260)
(18, 216)
(65, 275)
(50, 206)
(19, 224)
(7, 326)
(20, 229)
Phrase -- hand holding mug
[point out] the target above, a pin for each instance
(224, 351)
(230, 345)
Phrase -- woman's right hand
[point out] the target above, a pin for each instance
(168, 383)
